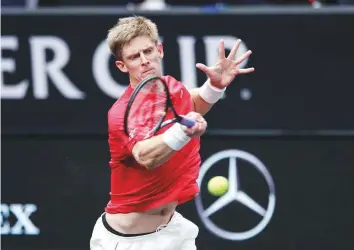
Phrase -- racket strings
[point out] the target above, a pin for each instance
(147, 110)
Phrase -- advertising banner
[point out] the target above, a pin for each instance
(59, 78)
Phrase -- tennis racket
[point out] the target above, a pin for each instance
(148, 108)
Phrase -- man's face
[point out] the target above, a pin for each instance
(141, 57)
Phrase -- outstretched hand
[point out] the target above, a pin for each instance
(226, 69)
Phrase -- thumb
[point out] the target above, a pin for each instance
(202, 67)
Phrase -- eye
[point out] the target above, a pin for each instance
(134, 56)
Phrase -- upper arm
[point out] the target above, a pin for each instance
(124, 148)
(121, 145)
(152, 152)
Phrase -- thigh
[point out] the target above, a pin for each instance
(186, 230)
(188, 245)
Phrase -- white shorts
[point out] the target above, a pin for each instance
(178, 234)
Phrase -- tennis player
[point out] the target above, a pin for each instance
(150, 178)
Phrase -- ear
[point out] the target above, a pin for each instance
(121, 66)
(160, 50)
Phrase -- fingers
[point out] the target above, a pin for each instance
(200, 119)
(202, 67)
(194, 115)
(197, 130)
(243, 57)
(222, 50)
(245, 71)
(234, 50)
(240, 60)
(199, 127)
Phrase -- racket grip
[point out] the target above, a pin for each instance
(188, 122)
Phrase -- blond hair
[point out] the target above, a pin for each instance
(127, 29)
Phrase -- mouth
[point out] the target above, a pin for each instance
(148, 72)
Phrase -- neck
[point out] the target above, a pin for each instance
(133, 82)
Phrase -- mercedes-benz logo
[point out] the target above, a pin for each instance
(235, 194)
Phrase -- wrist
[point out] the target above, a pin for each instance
(210, 93)
(175, 137)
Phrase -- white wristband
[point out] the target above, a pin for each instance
(175, 137)
(210, 93)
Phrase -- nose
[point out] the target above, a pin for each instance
(143, 59)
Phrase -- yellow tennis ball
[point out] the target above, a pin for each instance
(218, 185)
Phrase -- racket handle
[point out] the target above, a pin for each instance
(188, 122)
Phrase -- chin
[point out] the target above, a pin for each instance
(157, 73)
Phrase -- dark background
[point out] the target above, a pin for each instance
(299, 122)
(303, 79)
(69, 180)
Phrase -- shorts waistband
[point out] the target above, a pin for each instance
(113, 231)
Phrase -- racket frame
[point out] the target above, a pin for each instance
(168, 104)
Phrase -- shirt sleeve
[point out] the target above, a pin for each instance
(120, 143)
(127, 142)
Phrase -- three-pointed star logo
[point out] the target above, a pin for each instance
(235, 194)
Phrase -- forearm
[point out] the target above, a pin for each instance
(205, 97)
(152, 152)
(200, 105)
(157, 150)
